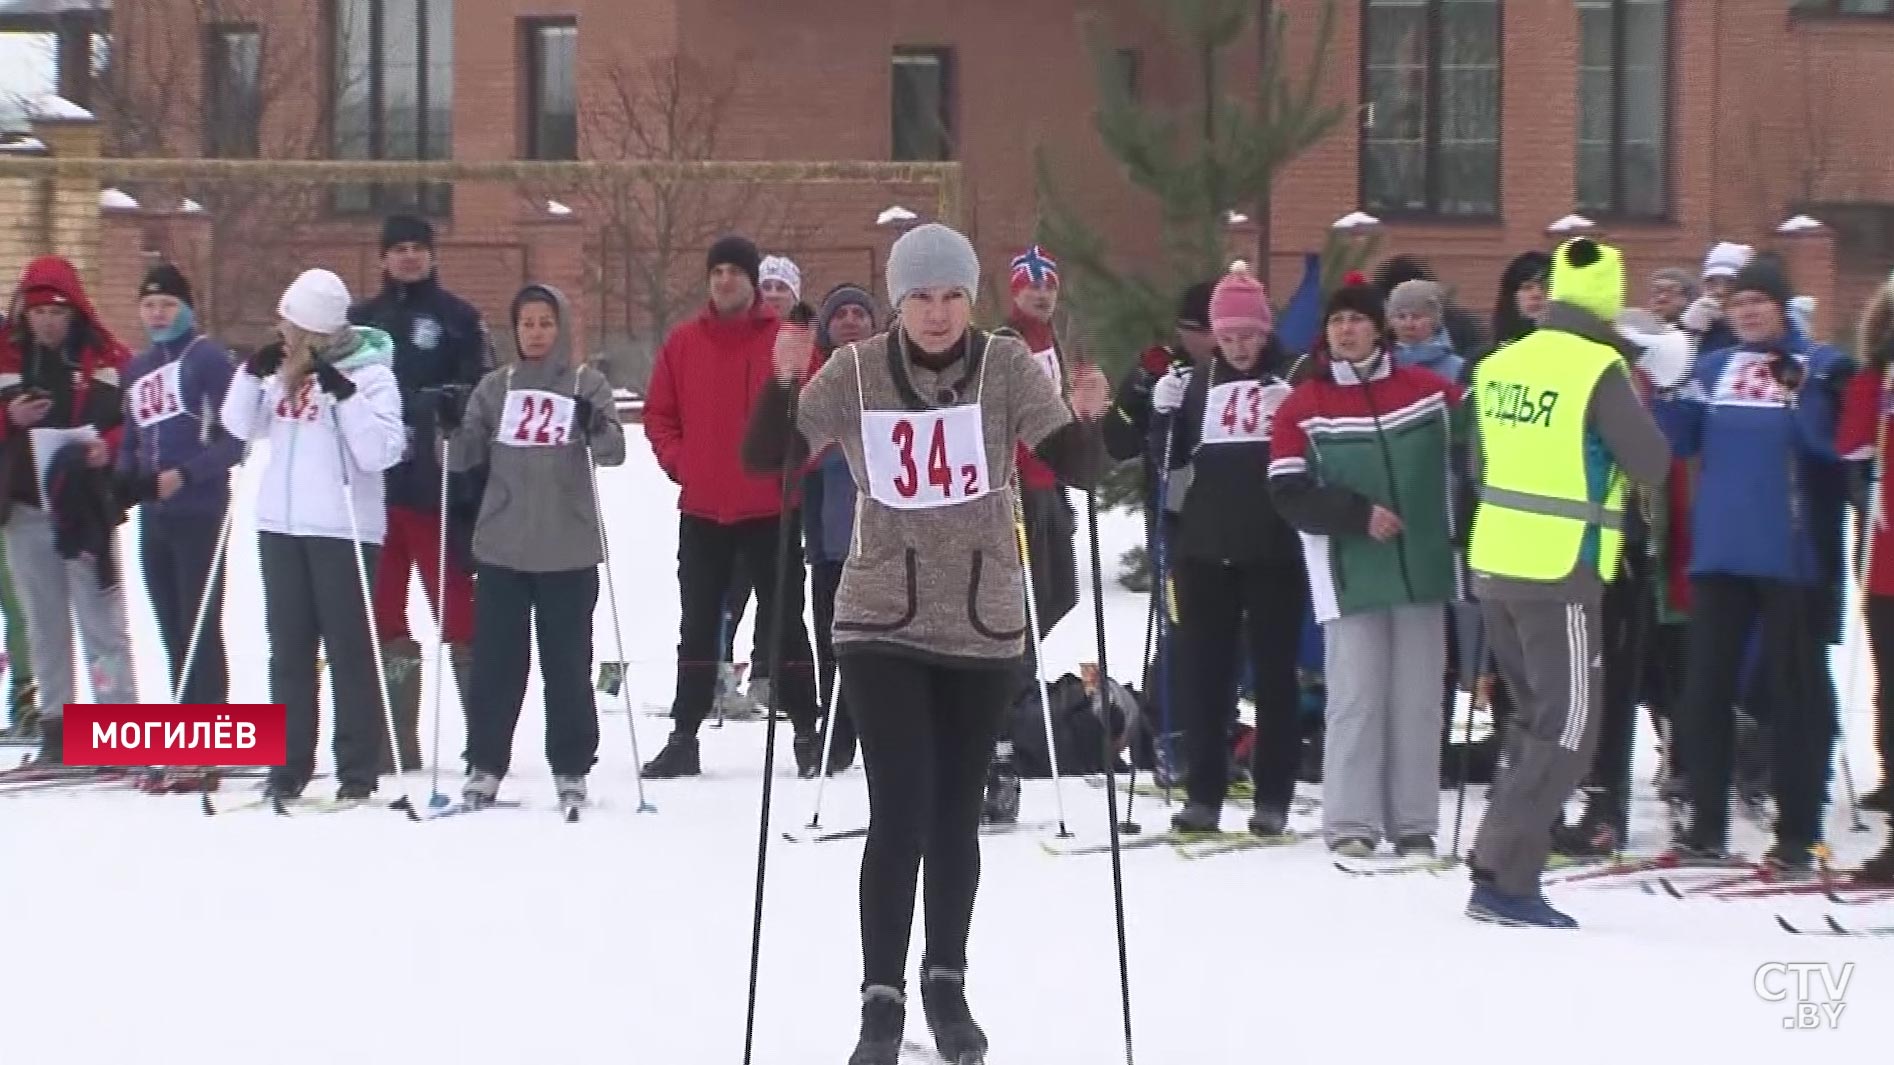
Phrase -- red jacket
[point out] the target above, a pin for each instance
(96, 394)
(1860, 436)
(1034, 475)
(709, 375)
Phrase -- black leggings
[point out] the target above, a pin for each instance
(1881, 642)
(926, 734)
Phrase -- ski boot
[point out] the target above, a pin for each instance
(355, 791)
(756, 700)
(1415, 845)
(1269, 821)
(1494, 906)
(944, 1003)
(1002, 788)
(1196, 817)
(1881, 799)
(281, 787)
(571, 792)
(677, 759)
(1352, 847)
(1878, 870)
(480, 791)
(1789, 861)
(884, 1020)
(52, 742)
(401, 663)
(808, 750)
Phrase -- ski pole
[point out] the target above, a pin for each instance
(435, 798)
(210, 587)
(828, 740)
(1039, 662)
(1111, 783)
(618, 632)
(1166, 636)
(1478, 695)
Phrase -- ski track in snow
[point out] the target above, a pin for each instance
(144, 931)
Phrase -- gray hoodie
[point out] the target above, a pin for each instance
(539, 515)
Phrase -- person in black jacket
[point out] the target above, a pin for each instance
(441, 353)
(1236, 560)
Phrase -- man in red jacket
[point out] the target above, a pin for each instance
(708, 377)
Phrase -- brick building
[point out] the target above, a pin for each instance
(1472, 124)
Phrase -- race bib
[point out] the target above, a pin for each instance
(918, 460)
(1240, 412)
(158, 396)
(1048, 361)
(533, 418)
(305, 406)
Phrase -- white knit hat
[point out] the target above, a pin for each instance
(932, 256)
(778, 268)
(1726, 259)
(317, 302)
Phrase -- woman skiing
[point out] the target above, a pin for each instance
(1235, 560)
(539, 424)
(325, 398)
(1862, 437)
(930, 617)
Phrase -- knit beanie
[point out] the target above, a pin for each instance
(1726, 259)
(1193, 309)
(778, 268)
(1239, 301)
(404, 229)
(932, 256)
(1677, 275)
(1033, 268)
(166, 280)
(839, 297)
(316, 302)
(1416, 297)
(738, 252)
(1363, 299)
(1764, 276)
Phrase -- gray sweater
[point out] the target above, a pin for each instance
(538, 515)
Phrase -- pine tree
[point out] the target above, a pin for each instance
(1215, 154)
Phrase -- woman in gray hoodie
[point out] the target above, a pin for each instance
(539, 425)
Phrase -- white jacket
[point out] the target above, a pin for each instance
(307, 490)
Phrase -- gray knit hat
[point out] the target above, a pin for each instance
(932, 256)
(1415, 297)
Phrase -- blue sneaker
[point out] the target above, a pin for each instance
(1514, 911)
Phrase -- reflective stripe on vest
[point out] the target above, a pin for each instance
(1536, 498)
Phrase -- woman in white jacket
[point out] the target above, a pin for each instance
(325, 398)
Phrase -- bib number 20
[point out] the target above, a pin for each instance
(940, 472)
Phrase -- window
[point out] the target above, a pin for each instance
(1130, 67)
(1843, 7)
(1624, 108)
(923, 116)
(393, 96)
(233, 94)
(552, 89)
(1431, 82)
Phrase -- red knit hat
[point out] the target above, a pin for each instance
(1240, 301)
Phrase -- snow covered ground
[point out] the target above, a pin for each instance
(141, 930)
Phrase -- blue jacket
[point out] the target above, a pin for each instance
(1764, 505)
(1434, 354)
(193, 439)
(828, 508)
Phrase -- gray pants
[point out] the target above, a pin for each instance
(53, 592)
(1381, 750)
(1550, 656)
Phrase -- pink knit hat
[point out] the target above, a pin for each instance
(1240, 301)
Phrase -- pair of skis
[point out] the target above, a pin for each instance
(1190, 845)
(1832, 927)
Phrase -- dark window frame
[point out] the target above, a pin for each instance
(429, 198)
(1667, 155)
(532, 81)
(215, 134)
(1130, 66)
(1827, 9)
(949, 102)
(1430, 135)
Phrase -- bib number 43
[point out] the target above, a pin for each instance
(940, 471)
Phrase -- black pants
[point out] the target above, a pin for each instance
(1881, 642)
(511, 607)
(736, 602)
(177, 553)
(1215, 600)
(1050, 531)
(1802, 715)
(926, 733)
(826, 580)
(313, 603)
(1626, 630)
(707, 556)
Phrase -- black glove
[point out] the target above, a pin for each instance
(134, 488)
(265, 360)
(333, 381)
(450, 406)
(584, 416)
(1787, 370)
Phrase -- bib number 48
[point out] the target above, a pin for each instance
(940, 473)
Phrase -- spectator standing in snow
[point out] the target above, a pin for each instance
(1670, 292)
(174, 463)
(539, 425)
(828, 513)
(1237, 565)
(1521, 302)
(1761, 419)
(440, 349)
(1705, 318)
(1414, 312)
(1359, 464)
(326, 399)
(709, 374)
(60, 371)
(1862, 437)
(1558, 429)
(931, 620)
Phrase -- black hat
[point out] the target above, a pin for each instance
(406, 228)
(165, 280)
(736, 251)
(1193, 308)
(1764, 274)
(1362, 299)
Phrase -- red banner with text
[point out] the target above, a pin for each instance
(158, 734)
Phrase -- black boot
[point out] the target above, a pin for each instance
(1880, 799)
(52, 741)
(944, 1001)
(401, 663)
(1878, 870)
(677, 759)
(808, 748)
(1002, 789)
(884, 1019)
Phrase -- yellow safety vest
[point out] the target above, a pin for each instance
(1535, 503)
